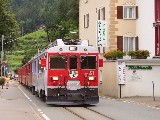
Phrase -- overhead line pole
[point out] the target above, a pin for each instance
(2, 55)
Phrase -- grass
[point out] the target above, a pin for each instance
(26, 43)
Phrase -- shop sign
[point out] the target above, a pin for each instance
(130, 67)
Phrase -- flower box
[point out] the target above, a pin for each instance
(139, 54)
(114, 55)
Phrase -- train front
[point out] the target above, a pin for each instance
(72, 75)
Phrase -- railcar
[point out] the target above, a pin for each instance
(65, 73)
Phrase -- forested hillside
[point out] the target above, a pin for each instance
(35, 23)
(57, 17)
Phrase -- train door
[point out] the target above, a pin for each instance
(73, 79)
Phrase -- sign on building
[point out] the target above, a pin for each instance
(101, 33)
(121, 73)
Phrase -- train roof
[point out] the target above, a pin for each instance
(63, 46)
(69, 46)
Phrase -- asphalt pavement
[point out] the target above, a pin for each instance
(14, 105)
(141, 100)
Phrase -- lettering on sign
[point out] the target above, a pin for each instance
(101, 33)
(135, 76)
(121, 73)
(130, 67)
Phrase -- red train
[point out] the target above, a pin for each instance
(64, 73)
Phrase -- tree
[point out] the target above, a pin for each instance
(8, 24)
(66, 17)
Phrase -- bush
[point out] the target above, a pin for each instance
(114, 54)
(2, 81)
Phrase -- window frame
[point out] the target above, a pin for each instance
(134, 43)
(86, 20)
(57, 68)
(101, 13)
(96, 64)
(127, 8)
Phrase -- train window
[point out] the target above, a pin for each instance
(41, 69)
(58, 62)
(73, 62)
(34, 66)
(88, 62)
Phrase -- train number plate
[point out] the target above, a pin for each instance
(73, 84)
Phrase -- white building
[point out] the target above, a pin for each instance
(130, 25)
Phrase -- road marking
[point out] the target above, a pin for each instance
(39, 110)
(45, 117)
(24, 93)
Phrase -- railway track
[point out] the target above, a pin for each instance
(86, 113)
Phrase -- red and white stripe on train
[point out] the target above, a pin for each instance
(65, 73)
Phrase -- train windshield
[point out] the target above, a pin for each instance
(88, 62)
(73, 62)
(58, 62)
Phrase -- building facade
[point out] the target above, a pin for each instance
(128, 24)
(156, 24)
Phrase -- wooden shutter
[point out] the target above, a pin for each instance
(84, 21)
(87, 20)
(119, 12)
(136, 43)
(120, 43)
(103, 9)
(136, 12)
(99, 14)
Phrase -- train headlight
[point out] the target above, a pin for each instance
(55, 78)
(91, 78)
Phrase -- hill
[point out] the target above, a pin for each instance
(28, 46)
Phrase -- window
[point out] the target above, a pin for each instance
(34, 67)
(129, 12)
(58, 62)
(88, 62)
(40, 69)
(101, 14)
(86, 20)
(73, 62)
(129, 44)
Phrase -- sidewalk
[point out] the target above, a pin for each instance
(14, 105)
(147, 101)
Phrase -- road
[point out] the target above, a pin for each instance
(107, 109)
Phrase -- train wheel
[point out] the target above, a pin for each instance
(40, 94)
(33, 90)
(44, 98)
(37, 94)
(43, 95)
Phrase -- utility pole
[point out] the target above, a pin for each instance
(37, 45)
(2, 55)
